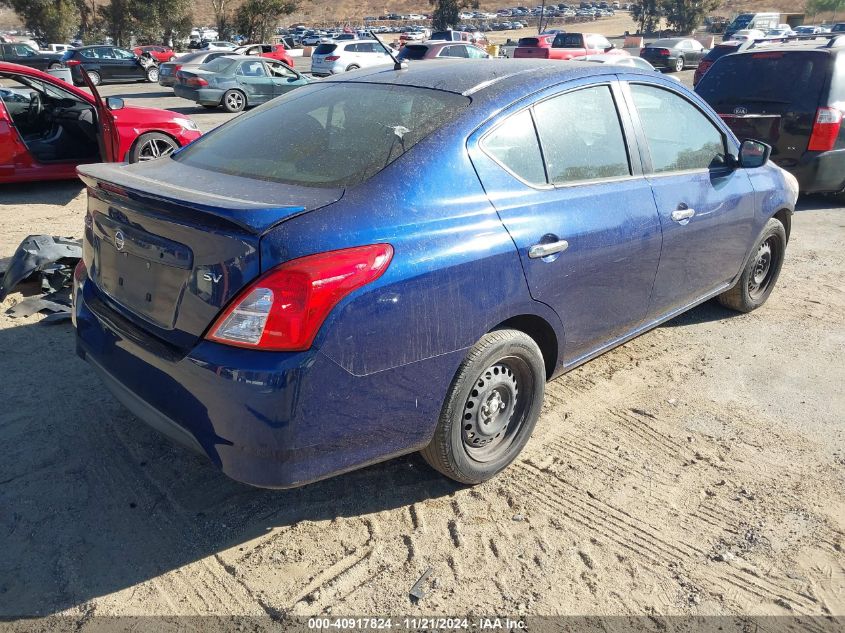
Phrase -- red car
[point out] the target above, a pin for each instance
(48, 127)
(565, 46)
(159, 53)
(271, 51)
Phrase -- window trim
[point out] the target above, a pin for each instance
(481, 146)
(642, 140)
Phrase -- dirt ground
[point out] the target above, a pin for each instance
(698, 469)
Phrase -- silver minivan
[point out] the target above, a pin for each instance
(331, 58)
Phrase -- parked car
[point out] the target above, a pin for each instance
(236, 83)
(48, 127)
(321, 307)
(107, 64)
(618, 60)
(331, 58)
(441, 50)
(270, 51)
(567, 46)
(718, 51)
(748, 35)
(313, 39)
(189, 61)
(161, 54)
(56, 48)
(791, 97)
(674, 54)
(25, 55)
(809, 30)
(219, 45)
(780, 33)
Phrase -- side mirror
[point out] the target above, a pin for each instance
(610, 48)
(114, 103)
(753, 154)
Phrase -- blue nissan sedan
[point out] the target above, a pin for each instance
(398, 260)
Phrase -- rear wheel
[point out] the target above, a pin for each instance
(54, 65)
(151, 146)
(94, 76)
(491, 408)
(679, 64)
(761, 271)
(152, 74)
(233, 101)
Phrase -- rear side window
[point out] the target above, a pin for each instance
(581, 136)
(679, 136)
(219, 65)
(774, 81)
(325, 49)
(329, 135)
(513, 144)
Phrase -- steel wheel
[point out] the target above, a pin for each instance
(761, 274)
(152, 74)
(154, 147)
(679, 64)
(94, 77)
(494, 411)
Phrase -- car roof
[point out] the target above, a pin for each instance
(804, 45)
(490, 77)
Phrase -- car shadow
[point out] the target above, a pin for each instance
(92, 501)
(150, 95)
(194, 110)
(817, 202)
(59, 192)
(706, 312)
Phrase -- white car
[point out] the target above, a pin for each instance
(745, 35)
(331, 58)
(620, 60)
(219, 46)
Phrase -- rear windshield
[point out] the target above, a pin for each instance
(325, 49)
(719, 51)
(192, 57)
(769, 80)
(325, 135)
(441, 35)
(528, 41)
(219, 65)
(412, 51)
(663, 44)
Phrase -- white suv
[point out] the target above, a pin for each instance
(331, 58)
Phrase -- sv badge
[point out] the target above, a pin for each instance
(212, 277)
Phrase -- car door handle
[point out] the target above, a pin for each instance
(544, 250)
(679, 215)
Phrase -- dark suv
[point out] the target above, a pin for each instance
(791, 97)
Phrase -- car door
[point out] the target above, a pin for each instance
(706, 204)
(254, 80)
(578, 208)
(284, 79)
(128, 66)
(107, 134)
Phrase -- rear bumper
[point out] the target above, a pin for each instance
(268, 419)
(168, 81)
(661, 62)
(819, 172)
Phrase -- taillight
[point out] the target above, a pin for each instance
(177, 68)
(195, 81)
(825, 130)
(284, 308)
(332, 58)
(664, 52)
(72, 62)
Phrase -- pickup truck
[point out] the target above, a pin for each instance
(566, 46)
(25, 55)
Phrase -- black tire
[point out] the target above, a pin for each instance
(95, 78)
(152, 74)
(150, 146)
(352, 67)
(233, 101)
(504, 371)
(761, 270)
(679, 64)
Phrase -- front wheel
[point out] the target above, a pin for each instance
(761, 270)
(151, 146)
(490, 409)
(233, 101)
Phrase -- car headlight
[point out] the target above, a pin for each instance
(188, 124)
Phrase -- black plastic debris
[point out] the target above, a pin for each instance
(53, 260)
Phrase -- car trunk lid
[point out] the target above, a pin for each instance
(169, 257)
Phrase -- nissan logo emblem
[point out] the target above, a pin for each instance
(119, 240)
(740, 110)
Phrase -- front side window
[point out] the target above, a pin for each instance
(581, 136)
(679, 135)
(513, 144)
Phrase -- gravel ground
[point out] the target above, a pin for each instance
(698, 469)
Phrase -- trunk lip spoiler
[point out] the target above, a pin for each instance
(248, 215)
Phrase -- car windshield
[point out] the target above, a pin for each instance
(330, 135)
(793, 78)
(219, 65)
(412, 52)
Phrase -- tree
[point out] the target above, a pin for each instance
(447, 12)
(48, 20)
(648, 13)
(148, 20)
(221, 14)
(684, 16)
(257, 19)
(117, 20)
(821, 6)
